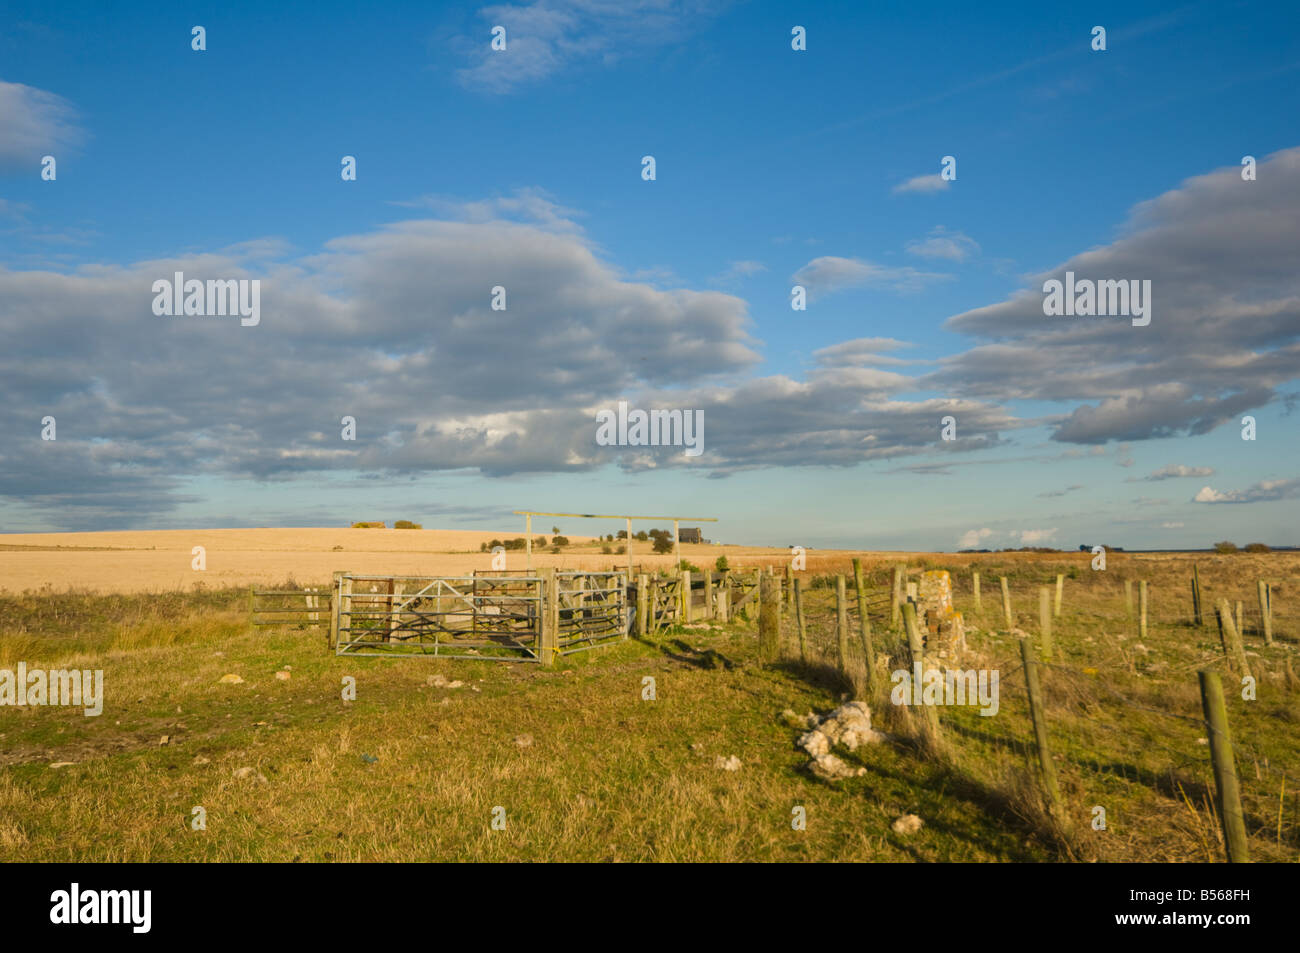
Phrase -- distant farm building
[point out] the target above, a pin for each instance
(691, 534)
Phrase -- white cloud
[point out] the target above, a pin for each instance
(942, 243)
(1175, 470)
(972, 538)
(923, 183)
(1037, 537)
(34, 123)
(828, 274)
(1264, 491)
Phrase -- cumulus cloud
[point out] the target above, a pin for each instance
(1225, 323)
(972, 538)
(1176, 470)
(1037, 537)
(1264, 491)
(923, 183)
(394, 327)
(828, 274)
(942, 243)
(34, 123)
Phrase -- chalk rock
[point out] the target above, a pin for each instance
(907, 824)
(440, 681)
(523, 741)
(282, 676)
(242, 773)
(830, 768)
(231, 679)
(727, 764)
(850, 725)
(815, 743)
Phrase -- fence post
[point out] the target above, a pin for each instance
(335, 589)
(1037, 715)
(798, 613)
(642, 605)
(1006, 602)
(1060, 587)
(1225, 770)
(708, 594)
(687, 608)
(864, 626)
(1197, 617)
(897, 598)
(345, 603)
(1231, 638)
(550, 629)
(1142, 609)
(841, 625)
(724, 604)
(788, 595)
(1265, 611)
(975, 583)
(1045, 621)
(769, 618)
(1128, 598)
(917, 650)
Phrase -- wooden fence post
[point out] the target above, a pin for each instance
(975, 583)
(688, 609)
(769, 618)
(864, 626)
(787, 596)
(1006, 602)
(335, 588)
(1142, 609)
(1128, 598)
(642, 605)
(1045, 621)
(549, 640)
(1197, 618)
(708, 594)
(798, 613)
(724, 604)
(841, 625)
(917, 650)
(1060, 588)
(1037, 714)
(1225, 769)
(898, 597)
(1265, 611)
(1231, 638)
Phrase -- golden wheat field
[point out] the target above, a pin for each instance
(160, 560)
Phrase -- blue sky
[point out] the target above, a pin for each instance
(774, 167)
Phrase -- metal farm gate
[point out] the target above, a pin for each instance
(494, 616)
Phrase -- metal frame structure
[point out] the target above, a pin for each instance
(675, 520)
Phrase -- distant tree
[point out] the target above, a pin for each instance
(1225, 547)
(641, 535)
(560, 541)
(721, 564)
(555, 529)
(406, 524)
(663, 544)
(1257, 548)
(539, 541)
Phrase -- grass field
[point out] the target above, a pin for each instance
(587, 770)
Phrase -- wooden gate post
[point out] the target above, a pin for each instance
(1142, 609)
(975, 584)
(1060, 588)
(708, 594)
(687, 609)
(1006, 602)
(1225, 769)
(549, 641)
(642, 604)
(336, 587)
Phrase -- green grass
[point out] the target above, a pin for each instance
(412, 772)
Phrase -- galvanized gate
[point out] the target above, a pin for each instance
(497, 617)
